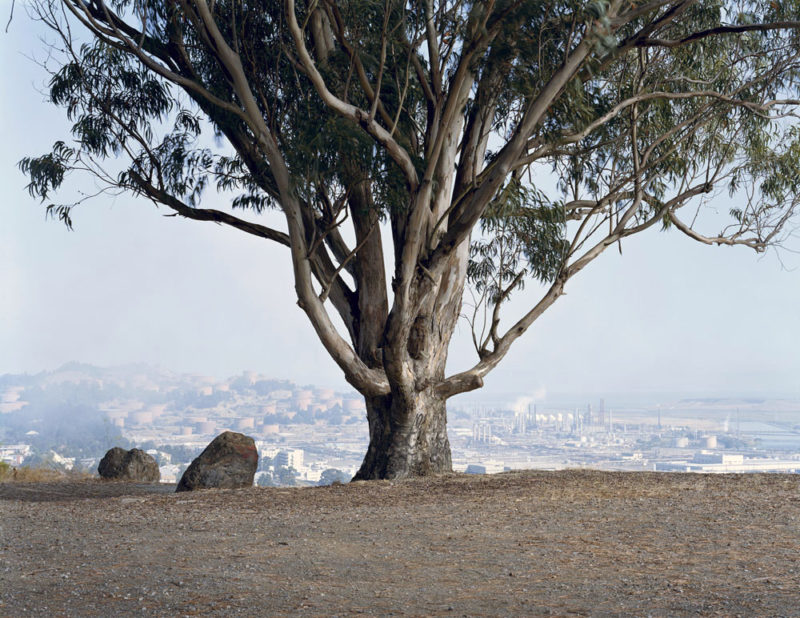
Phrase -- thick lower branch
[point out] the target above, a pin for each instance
(206, 214)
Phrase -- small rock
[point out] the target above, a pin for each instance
(229, 462)
(133, 465)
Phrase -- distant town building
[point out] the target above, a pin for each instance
(14, 454)
(290, 458)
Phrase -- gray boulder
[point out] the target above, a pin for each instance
(229, 462)
(133, 465)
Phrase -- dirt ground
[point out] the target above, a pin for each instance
(543, 543)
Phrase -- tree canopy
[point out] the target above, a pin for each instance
(442, 123)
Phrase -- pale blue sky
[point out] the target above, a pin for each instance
(129, 285)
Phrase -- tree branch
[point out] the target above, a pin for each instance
(206, 214)
(719, 30)
(359, 116)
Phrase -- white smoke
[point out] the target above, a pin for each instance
(520, 405)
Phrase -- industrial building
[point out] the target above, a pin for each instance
(719, 463)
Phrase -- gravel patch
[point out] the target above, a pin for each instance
(533, 543)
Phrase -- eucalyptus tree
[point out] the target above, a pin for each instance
(421, 134)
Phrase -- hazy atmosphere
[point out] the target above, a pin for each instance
(128, 285)
(420, 315)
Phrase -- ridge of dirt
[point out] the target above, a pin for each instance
(530, 543)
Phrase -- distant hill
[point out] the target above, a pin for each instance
(81, 410)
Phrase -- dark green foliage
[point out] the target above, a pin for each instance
(522, 233)
(285, 477)
(265, 479)
(304, 416)
(179, 453)
(331, 476)
(265, 387)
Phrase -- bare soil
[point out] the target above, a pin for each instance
(549, 543)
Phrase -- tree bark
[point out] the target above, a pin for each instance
(408, 426)
(407, 437)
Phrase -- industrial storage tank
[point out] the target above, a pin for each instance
(157, 409)
(303, 399)
(323, 394)
(206, 427)
(353, 405)
(141, 417)
(247, 422)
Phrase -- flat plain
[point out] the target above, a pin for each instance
(523, 543)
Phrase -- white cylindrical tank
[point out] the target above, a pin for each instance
(247, 422)
(353, 405)
(206, 427)
(157, 410)
(142, 417)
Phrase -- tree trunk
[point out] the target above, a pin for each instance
(408, 427)
(407, 437)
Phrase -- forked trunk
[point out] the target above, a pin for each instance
(408, 427)
(407, 437)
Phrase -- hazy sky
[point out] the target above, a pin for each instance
(128, 285)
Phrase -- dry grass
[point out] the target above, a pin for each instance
(26, 474)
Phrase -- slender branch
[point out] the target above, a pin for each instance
(719, 30)
(327, 288)
(756, 243)
(433, 50)
(359, 116)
